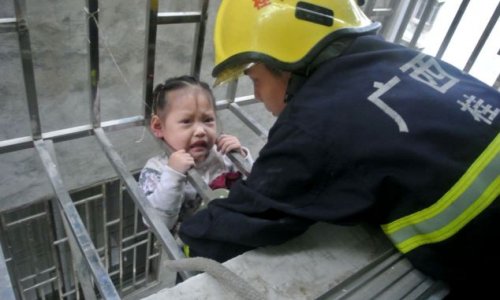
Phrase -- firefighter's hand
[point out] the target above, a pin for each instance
(181, 161)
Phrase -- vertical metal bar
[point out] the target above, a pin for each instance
(199, 41)
(6, 289)
(120, 234)
(147, 260)
(30, 236)
(40, 293)
(391, 26)
(236, 158)
(77, 261)
(88, 222)
(496, 85)
(421, 24)
(452, 28)
(388, 20)
(231, 91)
(148, 212)
(482, 40)
(4, 240)
(82, 275)
(107, 260)
(63, 258)
(134, 252)
(57, 285)
(27, 64)
(149, 56)
(368, 9)
(404, 23)
(93, 32)
(76, 230)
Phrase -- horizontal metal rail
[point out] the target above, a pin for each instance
(178, 17)
(77, 132)
(77, 234)
(71, 133)
(241, 101)
(8, 25)
(21, 221)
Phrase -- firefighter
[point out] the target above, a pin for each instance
(366, 131)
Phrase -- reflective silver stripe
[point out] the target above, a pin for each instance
(475, 191)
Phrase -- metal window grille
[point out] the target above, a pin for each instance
(59, 248)
(40, 262)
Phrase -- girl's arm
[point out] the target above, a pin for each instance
(164, 189)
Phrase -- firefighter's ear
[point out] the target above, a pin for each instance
(156, 126)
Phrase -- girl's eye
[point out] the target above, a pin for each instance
(209, 120)
(185, 121)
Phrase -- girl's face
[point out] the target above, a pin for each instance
(188, 122)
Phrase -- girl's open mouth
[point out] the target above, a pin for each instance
(199, 144)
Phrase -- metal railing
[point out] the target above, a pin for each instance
(90, 259)
(42, 261)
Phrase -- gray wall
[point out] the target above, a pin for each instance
(58, 32)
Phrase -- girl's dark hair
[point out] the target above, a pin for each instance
(175, 83)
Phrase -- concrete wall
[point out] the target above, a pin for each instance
(58, 32)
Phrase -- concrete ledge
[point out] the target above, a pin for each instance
(306, 267)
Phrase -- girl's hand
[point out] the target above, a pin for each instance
(227, 143)
(181, 161)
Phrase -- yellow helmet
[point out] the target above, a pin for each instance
(285, 34)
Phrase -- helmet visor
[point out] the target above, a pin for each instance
(231, 73)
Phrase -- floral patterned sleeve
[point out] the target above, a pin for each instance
(164, 190)
(148, 180)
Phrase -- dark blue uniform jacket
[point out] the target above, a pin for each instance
(374, 135)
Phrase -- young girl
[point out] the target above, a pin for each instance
(184, 117)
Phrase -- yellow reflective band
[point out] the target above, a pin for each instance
(476, 208)
(475, 191)
(185, 249)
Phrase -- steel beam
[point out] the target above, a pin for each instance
(83, 248)
(149, 56)
(27, 65)
(199, 40)
(70, 133)
(93, 47)
(164, 18)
